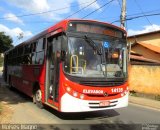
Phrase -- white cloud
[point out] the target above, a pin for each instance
(145, 29)
(95, 5)
(31, 5)
(13, 18)
(15, 32)
(36, 6)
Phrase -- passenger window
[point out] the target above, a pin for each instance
(39, 45)
(27, 49)
(33, 47)
(33, 58)
(39, 57)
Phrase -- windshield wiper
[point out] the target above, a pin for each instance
(99, 50)
(93, 45)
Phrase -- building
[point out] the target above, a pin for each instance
(152, 38)
(142, 53)
(144, 68)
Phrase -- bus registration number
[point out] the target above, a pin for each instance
(104, 103)
(117, 90)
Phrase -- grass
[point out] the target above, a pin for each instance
(1, 61)
(133, 93)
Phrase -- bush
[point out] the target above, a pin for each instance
(133, 93)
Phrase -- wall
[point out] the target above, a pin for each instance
(153, 39)
(144, 79)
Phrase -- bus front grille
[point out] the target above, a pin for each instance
(101, 83)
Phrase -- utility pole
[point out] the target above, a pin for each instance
(123, 14)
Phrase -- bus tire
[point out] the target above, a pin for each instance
(38, 98)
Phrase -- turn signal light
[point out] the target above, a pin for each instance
(73, 93)
(82, 96)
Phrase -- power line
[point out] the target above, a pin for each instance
(143, 12)
(140, 16)
(116, 17)
(119, 4)
(151, 11)
(80, 9)
(98, 9)
(102, 12)
(143, 16)
(32, 14)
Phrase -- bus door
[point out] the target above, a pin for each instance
(53, 67)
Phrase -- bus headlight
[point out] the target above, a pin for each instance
(75, 94)
(68, 89)
(122, 94)
(82, 96)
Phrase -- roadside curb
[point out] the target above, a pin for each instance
(145, 102)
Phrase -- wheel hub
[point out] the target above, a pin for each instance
(38, 95)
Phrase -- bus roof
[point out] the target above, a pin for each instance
(63, 24)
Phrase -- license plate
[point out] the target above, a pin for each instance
(104, 103)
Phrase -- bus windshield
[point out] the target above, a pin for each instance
(88, 57)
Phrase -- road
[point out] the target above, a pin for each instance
(25, 112)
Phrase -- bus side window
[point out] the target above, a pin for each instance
(39, 46)
(33, 52)
(20, 55)
(27, 57)
(40, 52)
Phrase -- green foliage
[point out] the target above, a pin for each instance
(133, 93)
(5, 42)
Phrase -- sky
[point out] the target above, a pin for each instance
(28, 17)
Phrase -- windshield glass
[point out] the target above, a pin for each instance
(83, 58)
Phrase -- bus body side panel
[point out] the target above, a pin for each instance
(24, 77)
(35, 73)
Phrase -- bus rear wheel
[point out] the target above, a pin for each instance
(38, 98)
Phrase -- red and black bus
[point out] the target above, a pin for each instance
(74, 66)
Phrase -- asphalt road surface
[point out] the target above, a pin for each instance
(25, 112)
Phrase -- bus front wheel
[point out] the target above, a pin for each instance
(38, 98)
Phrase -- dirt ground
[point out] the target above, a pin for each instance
(5, 102)
(6, 113)
(6, 110)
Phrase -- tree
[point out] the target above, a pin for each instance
(5, 42)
